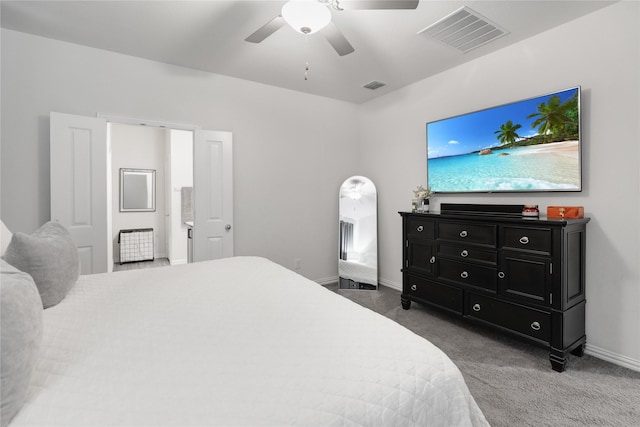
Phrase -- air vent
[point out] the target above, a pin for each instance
(374, 85)
(464, 30)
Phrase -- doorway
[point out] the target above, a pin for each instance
(169, 153)
(82, 187)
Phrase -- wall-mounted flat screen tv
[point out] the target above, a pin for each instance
(529, 145)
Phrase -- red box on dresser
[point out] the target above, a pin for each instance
(572, 212)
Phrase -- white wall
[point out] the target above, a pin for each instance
(291, 150)
(138, 147)
(606, 63)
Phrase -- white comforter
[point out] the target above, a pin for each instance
(358, 272)
(239, 341)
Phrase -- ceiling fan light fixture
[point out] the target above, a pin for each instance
(306, 16)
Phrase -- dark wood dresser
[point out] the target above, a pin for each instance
(521, 275)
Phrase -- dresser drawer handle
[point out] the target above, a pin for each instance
(464, 253)
(464, 233)
(464, 274)
(524, 240)
(535, 326)
(501, 274)
(420, 228)
(414, 288)
(476, 307)
(432, 260)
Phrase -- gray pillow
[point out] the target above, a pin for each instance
(50, 257)
(21, 336)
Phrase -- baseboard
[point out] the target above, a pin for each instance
(390, 284)
(615, 358)
(178, 261)
(327, 280)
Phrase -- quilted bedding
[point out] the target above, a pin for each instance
(238, 341)
(358, 272)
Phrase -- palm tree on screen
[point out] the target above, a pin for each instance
(553, 117)
(507, 133)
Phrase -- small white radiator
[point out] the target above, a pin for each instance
(136, 245)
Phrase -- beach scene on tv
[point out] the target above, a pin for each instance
(530, 145)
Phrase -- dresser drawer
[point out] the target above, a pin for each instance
(468, 274)
(435, 293)
(527, 239)
(525, 320)
(422, 228)
(478, 234)
(468, 253)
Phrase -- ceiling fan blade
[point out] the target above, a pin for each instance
(337, 39)
(266, 30)
(378, 4)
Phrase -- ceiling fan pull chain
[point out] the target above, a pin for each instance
(306, 53)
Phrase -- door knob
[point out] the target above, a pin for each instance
(227, 227)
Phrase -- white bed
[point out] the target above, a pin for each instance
(238, 341)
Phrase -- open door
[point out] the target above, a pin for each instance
(79, 186)
(81, 191)
(213, 195)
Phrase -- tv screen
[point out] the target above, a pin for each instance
(529, 145)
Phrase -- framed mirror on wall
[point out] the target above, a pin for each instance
(137, 190)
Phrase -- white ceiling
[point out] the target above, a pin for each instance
(209, 35)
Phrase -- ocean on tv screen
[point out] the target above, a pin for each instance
(552, 167)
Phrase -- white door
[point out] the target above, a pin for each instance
(213, 195)
(79, 185)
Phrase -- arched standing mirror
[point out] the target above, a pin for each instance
(358, 252)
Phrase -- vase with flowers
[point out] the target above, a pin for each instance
(421, 198)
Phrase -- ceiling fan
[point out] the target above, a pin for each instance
(310, 16)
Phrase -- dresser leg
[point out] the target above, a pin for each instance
(406, 302)
(558, 361)
(578, 351)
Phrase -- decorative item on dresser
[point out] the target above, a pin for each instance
(421, 198)
(487, 263)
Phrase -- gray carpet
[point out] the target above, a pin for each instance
(511, 380)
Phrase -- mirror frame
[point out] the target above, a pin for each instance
(151, 175)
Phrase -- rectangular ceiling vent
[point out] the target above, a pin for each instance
(464, 30)
(374, 85)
